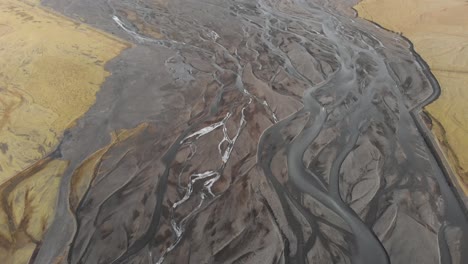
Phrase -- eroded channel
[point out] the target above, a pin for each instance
(252, 132)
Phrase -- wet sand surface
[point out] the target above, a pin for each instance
(439, 31)
(247, 132)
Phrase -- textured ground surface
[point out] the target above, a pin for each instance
(50, 70)
(238, 132)
(439, 32)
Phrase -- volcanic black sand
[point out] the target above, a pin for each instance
(251, 132)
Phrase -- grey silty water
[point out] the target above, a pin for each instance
(294, 137)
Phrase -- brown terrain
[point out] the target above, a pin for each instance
(269, 131)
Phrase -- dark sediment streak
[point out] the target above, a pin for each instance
(276, 132)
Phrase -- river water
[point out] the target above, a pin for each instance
(283, 131)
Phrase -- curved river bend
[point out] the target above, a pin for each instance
(265, 131)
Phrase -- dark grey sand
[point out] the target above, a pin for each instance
(275, 132)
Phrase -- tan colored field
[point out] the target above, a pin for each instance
(27, 209)
(439, 32)
(50, 71)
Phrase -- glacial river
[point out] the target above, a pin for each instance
(284, 131)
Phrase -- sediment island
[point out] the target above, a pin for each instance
(228, 131)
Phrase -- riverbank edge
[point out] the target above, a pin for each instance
(417, 114)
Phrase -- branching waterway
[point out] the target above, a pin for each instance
(265, 131)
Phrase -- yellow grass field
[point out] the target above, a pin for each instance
(50, 70)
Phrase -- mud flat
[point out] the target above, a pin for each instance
(248, 132)
(438, 30)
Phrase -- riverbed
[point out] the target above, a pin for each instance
(239, 131)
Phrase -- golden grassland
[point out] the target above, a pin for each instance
(27, 209)
(29, 198)
(439, 31)
(50, 70)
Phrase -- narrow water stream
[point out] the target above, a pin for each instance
(289, 132)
